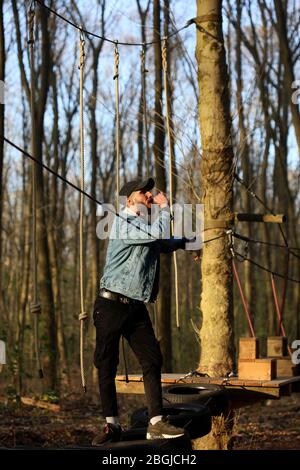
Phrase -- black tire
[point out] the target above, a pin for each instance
(194, 418)
(212, 395)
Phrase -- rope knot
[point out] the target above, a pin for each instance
(35, 308)
(82, 316)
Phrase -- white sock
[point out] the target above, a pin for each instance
(112, 420)
(155, 419)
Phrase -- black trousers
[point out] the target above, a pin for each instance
(113, 319)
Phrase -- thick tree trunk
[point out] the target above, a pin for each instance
(216, 334)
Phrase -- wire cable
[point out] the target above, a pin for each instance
(112, 41)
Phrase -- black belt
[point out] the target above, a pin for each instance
(107, 294)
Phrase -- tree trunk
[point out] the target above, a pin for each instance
(216, 334)
(286, 58)
(244, 151)
(2, 108)
(44, 270)
(164, 304)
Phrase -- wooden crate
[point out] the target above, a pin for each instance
(277, 346)
(286, 368)
(257, 369)
(248, 348)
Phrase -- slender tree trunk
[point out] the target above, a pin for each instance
(44, 272)
(216, 335)
(246, 167)
(2, 108)
(164, 304)
(286, 58)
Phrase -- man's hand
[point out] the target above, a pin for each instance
(161, 200)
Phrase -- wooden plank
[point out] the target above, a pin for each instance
(40, 404)
(137, 388)
(276, 383)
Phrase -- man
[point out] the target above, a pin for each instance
(131, 279)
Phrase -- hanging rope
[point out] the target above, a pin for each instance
(243, 299)
(116, 78)
(171, 158)
(145, 115)
(281, 326)
(284, 288)
(82, 316)
(35, 307)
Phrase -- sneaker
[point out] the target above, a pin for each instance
(110, 433)
(164, 430)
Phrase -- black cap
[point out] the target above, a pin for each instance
(136, 185)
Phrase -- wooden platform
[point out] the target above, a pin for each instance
(282, 386)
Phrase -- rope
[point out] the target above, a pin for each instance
(144, 71)
(171, 157)
(284, 290)
(282, 329)
(263, 203)
(82, 316)
(243, 298)
(283, 276)
(89, 33)
(251, 240)
(116, 78)
(35, 307)
(117, 147)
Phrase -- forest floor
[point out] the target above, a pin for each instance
(272, 424)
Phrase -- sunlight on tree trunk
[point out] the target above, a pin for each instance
(216, 334)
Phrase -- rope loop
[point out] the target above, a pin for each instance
(117, 60)
(35, 308)
(82, 316)
(82, 53)
(164, 53)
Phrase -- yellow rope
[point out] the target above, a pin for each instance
(116, 78)
(35, 307)
(82, 315)
(144, 71)
(171, 159)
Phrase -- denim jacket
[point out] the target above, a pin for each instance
(132, 254)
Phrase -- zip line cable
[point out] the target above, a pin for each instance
(263, 203)
(245, 258)
(261, 242)
(72, 185)
(112, 41)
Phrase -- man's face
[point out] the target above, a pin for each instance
(141, 197)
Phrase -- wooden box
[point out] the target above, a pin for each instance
(285, 367)
(277, 346)
(257, 369)
(248, 348)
